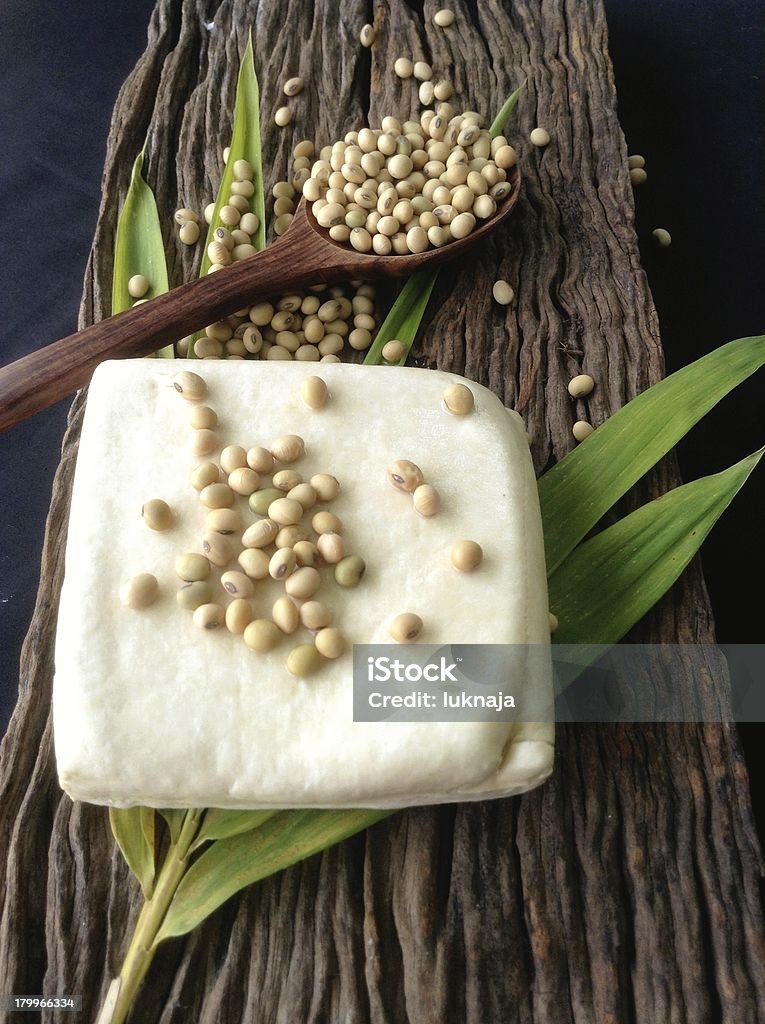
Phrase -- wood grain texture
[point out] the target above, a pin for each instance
(625, 889)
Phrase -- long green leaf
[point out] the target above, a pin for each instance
(138, 246)
(584, 485)
(405, 316)
(232, 864)
(245, 145)
(222, 824)
(133, 828)
(611, 581)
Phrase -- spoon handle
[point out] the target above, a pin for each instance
(42, 378)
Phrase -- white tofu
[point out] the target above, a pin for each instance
(149, 709)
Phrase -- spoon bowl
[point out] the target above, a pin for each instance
(305, 255)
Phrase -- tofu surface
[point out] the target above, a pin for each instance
(149, 709)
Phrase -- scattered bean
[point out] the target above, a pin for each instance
(138, 286)
(582, 429)
(662, 237)
(208, 616)
(314, 392)
(303, 583)
(217, 496)
(260, 534)
(405, 475)
(191, 595)
(581, 385)
(192, 567)
(349, 571)
(204, 442)
(466, 555)
(238, 584)
(139, 591)
(157, 514)
(314, 615)
(207, 473)
(285, 511)
(427, 500)
(330, 642)
(218, 548)
(244, 481)
(327, 487)
(303, 661)
(286, 615)
(458, 400)
(503, 293)
(202, 417)
(293, 86)
(261, 635)
(282, 563)
(190, 385)
(331, 547)
(254, 562)
(288, 448)
(406, 627)
(326, 522)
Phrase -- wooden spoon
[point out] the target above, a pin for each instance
(303, 256)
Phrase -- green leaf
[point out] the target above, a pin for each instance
(405, 316)
(576, 493)
(222, 824)
(138, 247)
(133, 828)
(174, 816)
(245, 145)
(232, 864)
(611, 581)
(498, 124)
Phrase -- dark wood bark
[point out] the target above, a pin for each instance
(626, 888)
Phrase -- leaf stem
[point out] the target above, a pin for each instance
(142, 945)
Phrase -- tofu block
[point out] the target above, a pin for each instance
(150, 709)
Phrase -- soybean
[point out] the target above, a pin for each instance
(349, 571)
(261, 635)
(581, 385)
(406, 627)
(466, 555)
(330, 642)
(208, 616)
(458, 399)
(139, 591)
(190, 385)
(157, 514)
(303, 661)
(405, 475)
(192, 567)
(191, 595)
(238, 616)
(286, 615)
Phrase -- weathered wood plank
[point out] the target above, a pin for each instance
(625, 889)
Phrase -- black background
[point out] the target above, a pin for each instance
(690, 100)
